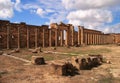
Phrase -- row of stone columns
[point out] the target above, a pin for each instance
(83, 37)
(61, 35)
(93, 39)
(90, 38)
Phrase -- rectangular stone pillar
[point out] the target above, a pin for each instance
(66, 41)
(18, 37)
(88, 35)
(50, 44)
(61, 39)
(36, 37)
(96, 38)
(99, 38)
(43, 37)
(8, 36)
(28, 37)
(79, 35)
(93, 39)
(86, 38)
(82, 35)
(56, 37)
(72, 36)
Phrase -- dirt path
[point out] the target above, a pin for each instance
(21, 59)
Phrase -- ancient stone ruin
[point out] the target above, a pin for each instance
(15, 35)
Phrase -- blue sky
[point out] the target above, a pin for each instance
(103, 15)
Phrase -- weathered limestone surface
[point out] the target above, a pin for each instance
(15, 35)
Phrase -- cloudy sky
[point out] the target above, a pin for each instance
(101, 15)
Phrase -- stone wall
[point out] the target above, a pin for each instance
(21, 35)
(117, 38)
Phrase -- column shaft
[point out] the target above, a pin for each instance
(72, 36)
(79, 36)
(61, 39)
(43, 37)
(8, 37)
(82, 35)
(28, 37)
(36, 38)
(18, 37)
(50, 37)
(56, 38)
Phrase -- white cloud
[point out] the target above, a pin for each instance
(110, 28)
(89, 4)
(90, 18)
(57, 17)
(30, 6)
(17, 5)
(40, 12)
(6, 9)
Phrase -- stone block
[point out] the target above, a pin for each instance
(1, 52)
(37, 60)
(64, 69)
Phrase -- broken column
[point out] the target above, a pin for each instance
(64, 69)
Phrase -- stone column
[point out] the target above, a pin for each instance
(82, 35)
(36, 37)
(86, 38)
(103, 39)
(93, 38)
(28, 37)
(8, 37)
(61, 39)
(50, 38)
(99, 39)
(66, 41)
(56, 37)
(79, 35)
(90, 38)
(18, 37)
(72, 35)
(43, 37)
(96, 39)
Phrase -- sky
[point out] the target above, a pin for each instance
(103, 15)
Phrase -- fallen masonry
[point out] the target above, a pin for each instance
(71, 67)
(37, 60)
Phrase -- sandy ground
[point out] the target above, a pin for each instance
(16, 71)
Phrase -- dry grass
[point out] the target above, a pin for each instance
(18, 72)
